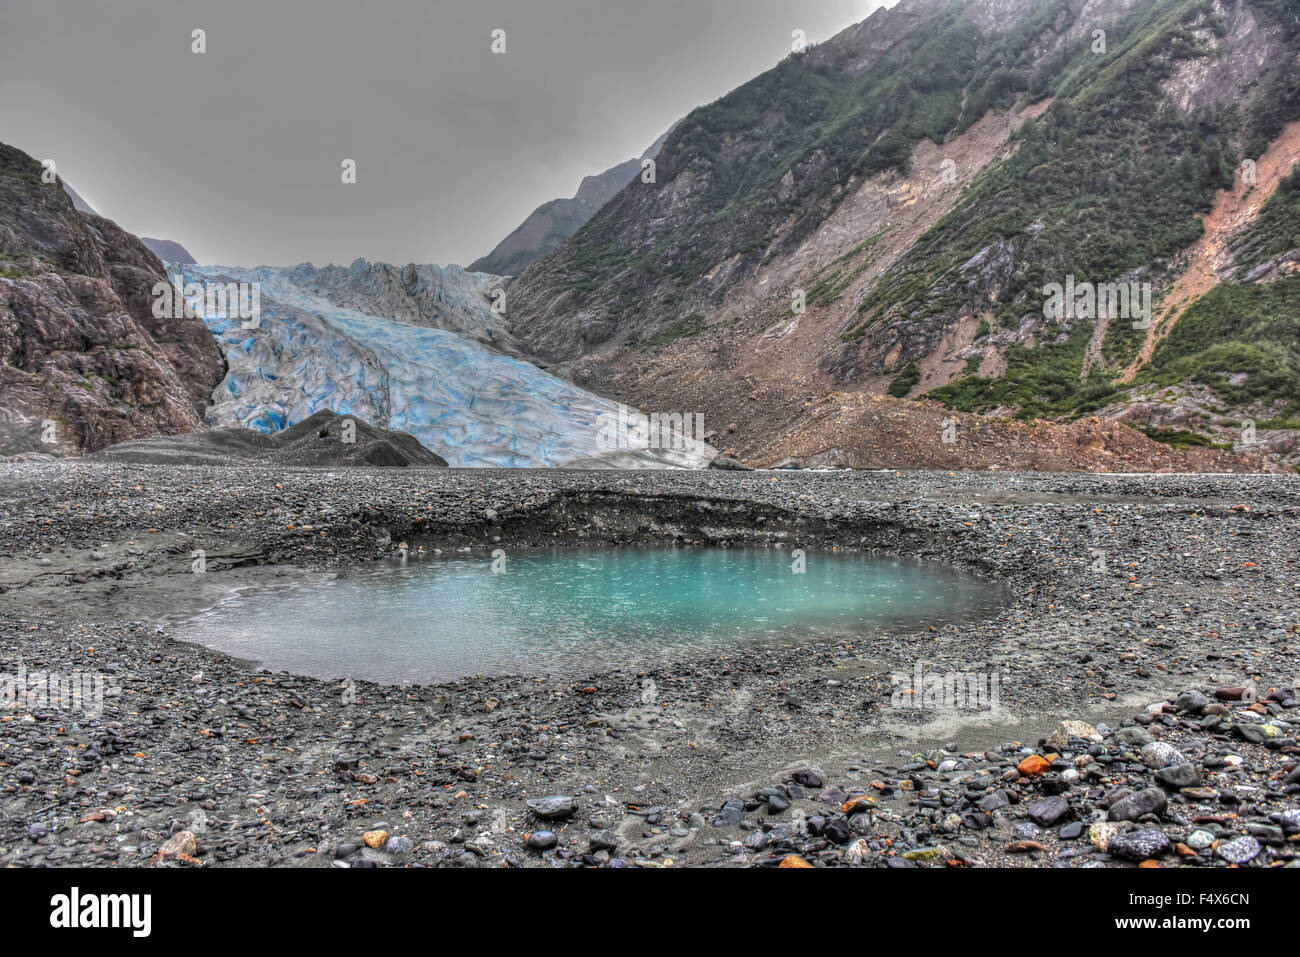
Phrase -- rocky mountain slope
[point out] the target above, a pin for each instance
(165, 249)
(84, 363)
(883, 214)
(552, 223)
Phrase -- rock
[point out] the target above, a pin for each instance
(1266, 834)
(180, 845)
(1158, 754)
(542, 840)
(1146, 801)
(80, 344)
(1049, 810)
(733, 812)
(399, 845)
(1256, 733)
(1191, 701)
(837, 831)
(727, 463)
(992, 802)
(1067, 731)
(858, 805)
(1240, 851)
(1071, 832)
(1234, 693)
(793, 860)
(312, 442)
(1283, 696)
(1139, 845)
(1200, 840)
(857, 853)
(1134, 736)
(832, 795)
(808, 777)
(923, 854)
(1033, 766)
(1101, 834)
(553, 808)
(1177, 776)
(375, 839)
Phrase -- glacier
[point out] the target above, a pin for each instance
(417, 349)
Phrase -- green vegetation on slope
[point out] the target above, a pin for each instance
(1084, 177)
(784, 144)
(1243, 341)
(1041, 382)
(1275, 231)
(1086, 195)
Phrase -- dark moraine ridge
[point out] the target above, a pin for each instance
(1127, 592)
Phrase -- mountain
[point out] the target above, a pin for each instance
(404, 348)
(168, 251)
(554, 222)
(84, 363)
(920, 181)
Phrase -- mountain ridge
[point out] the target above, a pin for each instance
(1003, 129)
(556, 220)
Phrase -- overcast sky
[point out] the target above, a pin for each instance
(236, 153)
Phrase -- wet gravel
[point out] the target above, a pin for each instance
(1149, 609)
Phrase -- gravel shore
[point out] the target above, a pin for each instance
(1149, 609)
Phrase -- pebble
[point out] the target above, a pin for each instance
(542, 840)
(1139, 845)
(1146, 801)
(553, 808)
(1240, 851)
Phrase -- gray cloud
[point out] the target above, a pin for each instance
(236, 153)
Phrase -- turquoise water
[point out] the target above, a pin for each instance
(573, 611)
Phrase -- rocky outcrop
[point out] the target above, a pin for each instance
(84, 363)
(552, 223)
(323, 439)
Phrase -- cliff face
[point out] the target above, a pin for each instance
(83, 360)
(914, 183)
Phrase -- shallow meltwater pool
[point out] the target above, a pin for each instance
(574, 611)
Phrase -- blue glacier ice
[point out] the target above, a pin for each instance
(416, 349)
